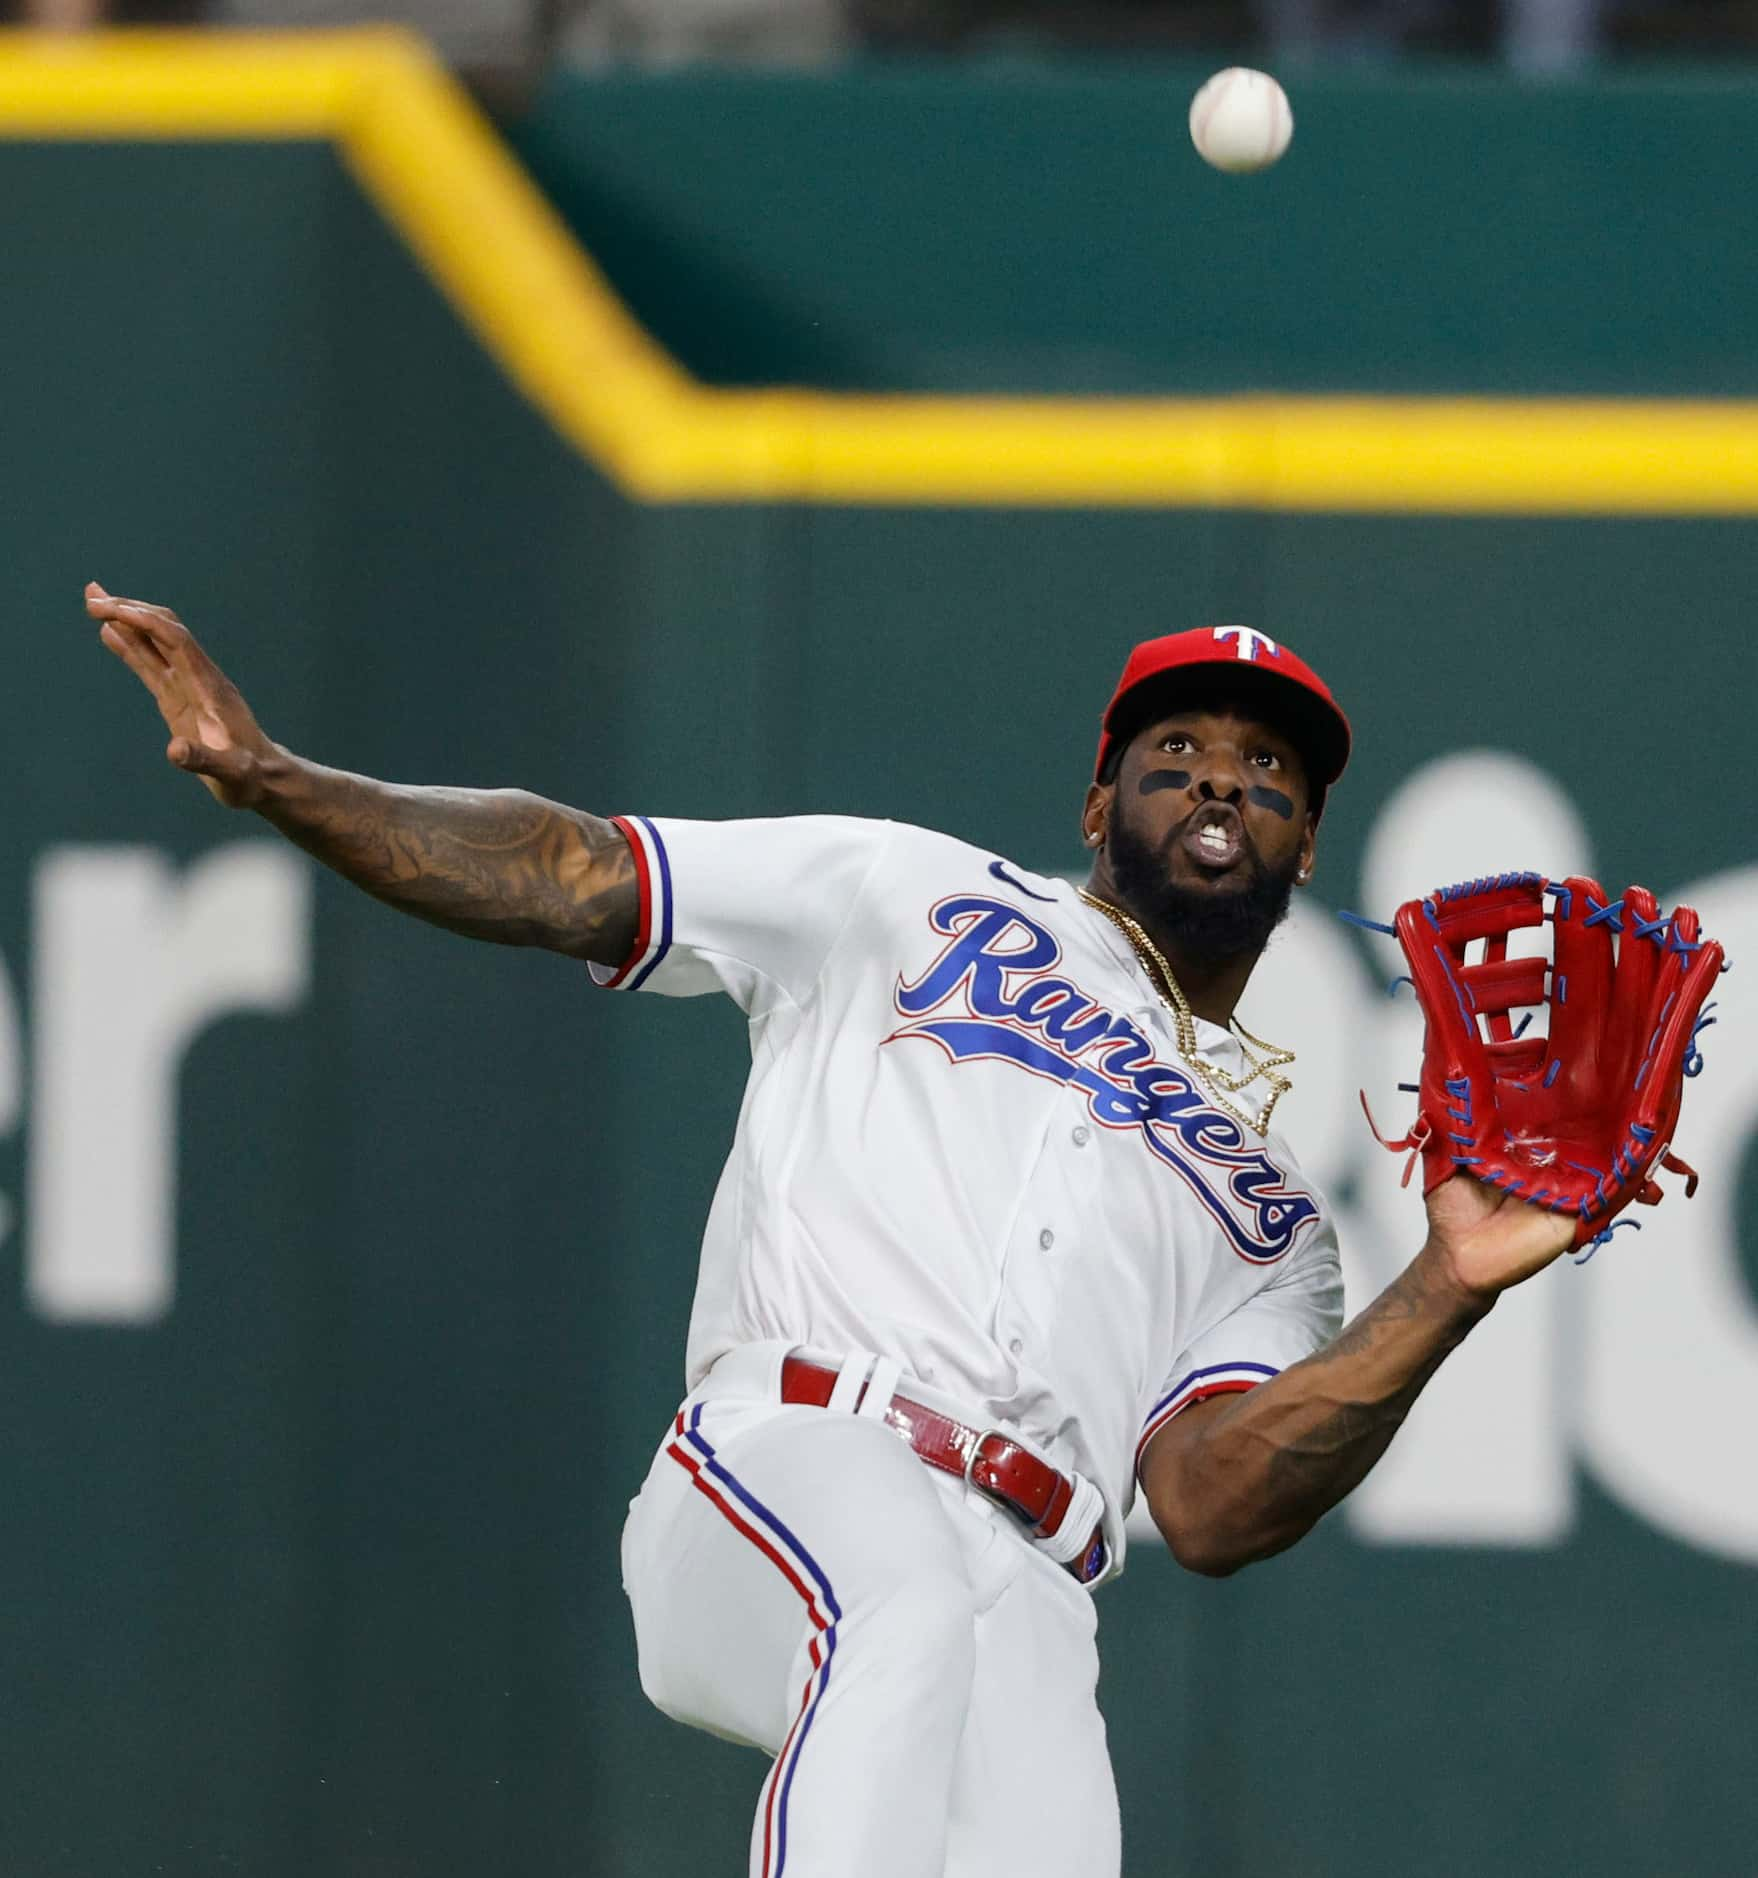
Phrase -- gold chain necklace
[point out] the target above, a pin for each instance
(1221, 1084)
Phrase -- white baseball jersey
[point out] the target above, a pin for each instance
(968, 1143)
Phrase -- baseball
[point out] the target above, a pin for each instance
(1241, 120)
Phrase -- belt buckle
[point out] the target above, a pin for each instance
(997, 1496)
(1087, 1564)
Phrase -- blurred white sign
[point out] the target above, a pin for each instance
(130, 962)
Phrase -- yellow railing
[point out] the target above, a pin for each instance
(443, 179)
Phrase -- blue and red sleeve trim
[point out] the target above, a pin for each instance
(1198, 1386)
(653, 924)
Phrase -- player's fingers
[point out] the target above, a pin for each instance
(137, 620)
(101, 600)
(159, 624)
(175, 644)
(137, 654)
(143, 643)
(129, 599)
(127, 647)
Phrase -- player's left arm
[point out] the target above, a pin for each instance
(1241, 1477)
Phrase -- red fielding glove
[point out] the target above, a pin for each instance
(1575, 1116)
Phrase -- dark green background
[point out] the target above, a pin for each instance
(319, 1576)
(1050, 228)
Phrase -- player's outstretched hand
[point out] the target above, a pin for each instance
(1490, 1239)
(213, 734)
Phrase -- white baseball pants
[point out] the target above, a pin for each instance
(922, 1676)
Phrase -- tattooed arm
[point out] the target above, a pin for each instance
(491, 863)
(1240, 1477)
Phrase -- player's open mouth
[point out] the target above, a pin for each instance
(1214, 837)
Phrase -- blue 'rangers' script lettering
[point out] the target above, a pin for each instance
(998, 966)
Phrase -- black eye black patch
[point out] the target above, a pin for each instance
(1268, 798)
(1172, 779)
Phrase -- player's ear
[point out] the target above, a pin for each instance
(1096, 816)
(1308, 846)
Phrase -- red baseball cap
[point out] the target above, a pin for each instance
(1291, 688)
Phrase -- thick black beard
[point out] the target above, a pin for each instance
(1213, 928)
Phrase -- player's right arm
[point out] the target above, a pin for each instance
(496, 864)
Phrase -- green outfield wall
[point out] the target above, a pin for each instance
(1050, 229)
(346, 1265)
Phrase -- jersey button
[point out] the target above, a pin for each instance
(1046, 1238)
(1017, 1347)
(1081, 1135)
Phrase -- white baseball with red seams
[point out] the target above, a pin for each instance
(970, 1167)
(1241, 120)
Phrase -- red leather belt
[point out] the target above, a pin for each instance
(995, 1464)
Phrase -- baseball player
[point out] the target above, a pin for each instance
(1006, 1236)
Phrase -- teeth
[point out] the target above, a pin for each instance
(1212, 837)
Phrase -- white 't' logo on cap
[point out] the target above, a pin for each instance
(1246, 641)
